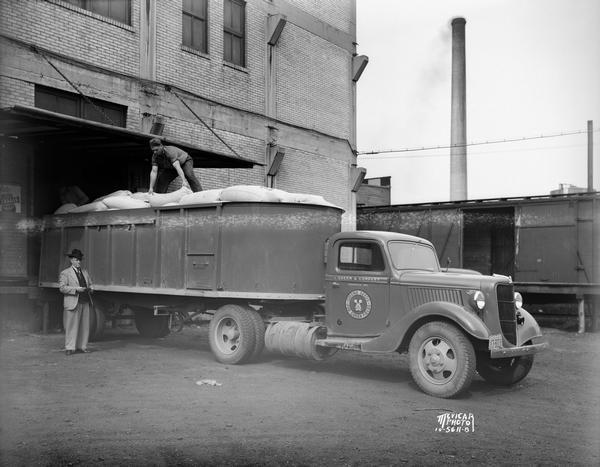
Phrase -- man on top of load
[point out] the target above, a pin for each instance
(169, 162)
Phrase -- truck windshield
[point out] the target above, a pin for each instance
(408, 255)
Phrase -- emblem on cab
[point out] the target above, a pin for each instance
(358, 304)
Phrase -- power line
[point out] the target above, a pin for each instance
(513, 140)
(386, 157)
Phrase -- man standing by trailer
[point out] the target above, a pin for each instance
(75, 283)
(169, 162)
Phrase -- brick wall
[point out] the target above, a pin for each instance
(71, 31)
(338, 13)
(313, 89)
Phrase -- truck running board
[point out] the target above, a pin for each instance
(344, 343)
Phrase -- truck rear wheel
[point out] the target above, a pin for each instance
(97, 321)
(259, 334)
(503, 371)
(442, 359)
(151, 326)
(232, 334)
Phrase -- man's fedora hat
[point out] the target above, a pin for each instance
(75, 254)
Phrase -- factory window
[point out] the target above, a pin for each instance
(235, 32)
(75, 105)
(119, 10)
(195, 20)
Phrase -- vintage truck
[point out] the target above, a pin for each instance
(285, 277)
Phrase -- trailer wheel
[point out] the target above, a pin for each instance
(442, 359)
(503, 371)
(259, 334)
(97, 321)
(232, 334)
(151, 326)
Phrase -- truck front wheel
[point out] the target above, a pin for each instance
(442, 359)
(503, 371)
(232, 334)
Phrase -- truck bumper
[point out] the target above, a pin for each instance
(507, 352)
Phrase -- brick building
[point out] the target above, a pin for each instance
(259, 92)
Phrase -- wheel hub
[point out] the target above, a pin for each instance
(437, 360)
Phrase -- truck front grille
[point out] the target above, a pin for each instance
(507, 312)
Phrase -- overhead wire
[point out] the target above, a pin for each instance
(481, 143)
(477, 153)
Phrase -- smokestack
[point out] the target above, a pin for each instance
(458, 126)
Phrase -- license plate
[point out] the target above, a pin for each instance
(495, 342)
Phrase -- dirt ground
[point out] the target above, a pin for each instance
(135, 401)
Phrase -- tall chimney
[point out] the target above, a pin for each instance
(458, 126)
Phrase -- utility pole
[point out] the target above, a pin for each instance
(590, 164)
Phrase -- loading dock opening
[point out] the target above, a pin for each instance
(40, 151)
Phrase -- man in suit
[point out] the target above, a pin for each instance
(76, 285)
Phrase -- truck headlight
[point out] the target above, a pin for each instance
(479, 299)
(518, 300)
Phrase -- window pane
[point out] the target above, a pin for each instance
(227, 47)
(187, 30)
(187, 6)
(116, 113)
(360, 257)
(198, 8)
(227, 14)
(99, 6)
(119, 10)
(79, 3)
(237, 51)
(234, 32)
(407, 255)
(198, 35)
(236, 17)
(56, 101)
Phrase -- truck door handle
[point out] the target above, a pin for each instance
(335, 285)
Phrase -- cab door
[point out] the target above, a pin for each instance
(357, 288)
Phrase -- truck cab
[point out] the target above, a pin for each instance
(386, 292)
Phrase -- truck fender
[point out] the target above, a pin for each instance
(391, 339)
(529, 330)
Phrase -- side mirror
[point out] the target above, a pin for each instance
(448, 263)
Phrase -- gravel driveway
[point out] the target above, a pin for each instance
(135, 401)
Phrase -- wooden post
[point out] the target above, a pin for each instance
(581, 313)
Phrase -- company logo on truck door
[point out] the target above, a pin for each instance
(358, 304)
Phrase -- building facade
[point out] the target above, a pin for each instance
(260, 92)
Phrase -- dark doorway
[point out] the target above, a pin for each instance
(489, 240)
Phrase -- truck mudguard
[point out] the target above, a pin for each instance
(390, 340)
(529, 329)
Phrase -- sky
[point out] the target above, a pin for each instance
(533, 69)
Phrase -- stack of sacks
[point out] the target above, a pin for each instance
(304, 198)
(202, 197)
(124, 199)
(67, 207)
(114, 193)
(251, 193)
(124, 202)
(160, 199)
(120, 199)
(91, 207)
